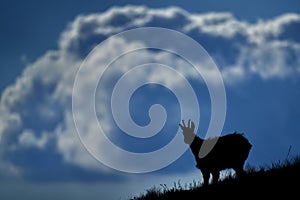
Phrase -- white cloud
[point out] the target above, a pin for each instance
(69, 146)
(216, 24)
(271, 60)
(43, 93)
(272, 30)
(28, 139)
(10, 123)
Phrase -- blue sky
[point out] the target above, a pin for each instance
(255, 46)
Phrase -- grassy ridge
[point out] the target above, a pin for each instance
(279, 180)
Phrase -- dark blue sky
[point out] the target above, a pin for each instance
(255, 45)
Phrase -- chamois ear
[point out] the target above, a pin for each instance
(183, 125)
(193, 126)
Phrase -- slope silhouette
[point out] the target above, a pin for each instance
(280, 180)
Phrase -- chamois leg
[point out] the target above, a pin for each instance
(239, 171)
(205, 175)
(216, 175)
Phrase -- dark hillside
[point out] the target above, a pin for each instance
(280, 180)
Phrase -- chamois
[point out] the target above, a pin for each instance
(229, 152)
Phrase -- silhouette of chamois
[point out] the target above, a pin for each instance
(229, 152)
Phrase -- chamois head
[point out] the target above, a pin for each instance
(188, 131)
